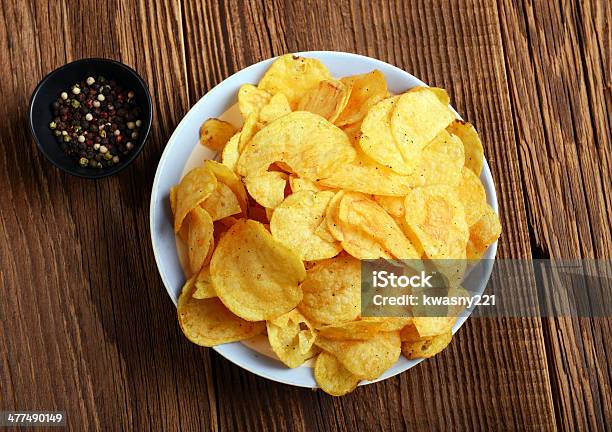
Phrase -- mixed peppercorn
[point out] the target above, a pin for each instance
(96, 122)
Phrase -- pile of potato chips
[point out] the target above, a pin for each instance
(326, 172)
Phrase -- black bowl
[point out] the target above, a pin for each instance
(62, 79)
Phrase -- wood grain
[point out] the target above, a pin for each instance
(86, 324)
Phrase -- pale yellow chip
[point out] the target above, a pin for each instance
(474, 153)
(221, 203)
(332, 216)
(277, 107)
(200, 238)
(392, 205)
(215, 133)
(229, 178)
(298, 184)
(441, 94)
(417, 118)
(310, 145)
(332, 291)
(328, 99)
(441, 162)
(230, 154)
(197, 185)
(251, 100)
(332, 377)
(293, 76)
(292, 338)
(433, 325)
(203, 285)
(251, 126)
(295, 221)
(255, 276)
(377, 141)
(353, 131)
(483, 234)
(436, 220)
(367, 359)
(369, 232)
(366, 91)
(352, 330)
(473, 196)
(207, 322)
(267, 189)
(426, 347)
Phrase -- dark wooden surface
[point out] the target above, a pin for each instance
(86, 324)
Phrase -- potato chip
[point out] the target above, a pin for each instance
(293, 76)
(255, 276)
(366, 91)
(441, 94)
(367, 359)
(352, 330)
(230, 154)
(267, 189)
(294, 223)
(328, 99)
(215, 133)
(441, 162)
(483, 234)
(389, 323)
(353, 131)
(432, 325)
(277, 107)
(473, 196)
(203, 285)
(474, 153)
(249, 129)
(226, 176)
(332, 291)
(323, 231)
(207, 322)
(251, 100)
(417, 118)
(292, 338)
(200, 238)
(197, 185)
(297, 184)
(369, 232)
(377, 141)
(221, 203)
(331, 216)
(311, 146)
(436, 220)
(332, 377)
(392, 205)
(426, 347)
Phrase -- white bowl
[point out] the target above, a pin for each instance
(183, 150)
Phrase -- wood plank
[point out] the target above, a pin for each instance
(477, 382)
(558, 61)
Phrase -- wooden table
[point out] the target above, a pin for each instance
(86, 324)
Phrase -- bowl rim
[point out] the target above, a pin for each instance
(225, 349)
(133, 155)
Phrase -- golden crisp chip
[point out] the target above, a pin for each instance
(328, 99)
(483, 234)
(473, 196)
(293, 76)
(197, 185)
(441, 162)
(310, 145)
(417, 118)
(367, 176)
(426, 347)
(331, 216)
(199, 238)
(352, 330)
(295, 221)
(390, 323)
(377, 141)
(203, 285)
(474, 153)
(392, 205)
(215, 133)
(433, 326)
(227, 176)
(369, 232)
(290, 342)
(207, 322)
(277, 107)
(267, 189)
(332, 377)
(367, 359)
(441, 94)
(353, 131)
(251, 100)
(230, 154)
(436, 220)
(366, 91)
(255, 276)
(249, 129)
(297, 184)
(332, 291)
(221, 203)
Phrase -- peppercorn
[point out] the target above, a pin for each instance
(83, 162)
